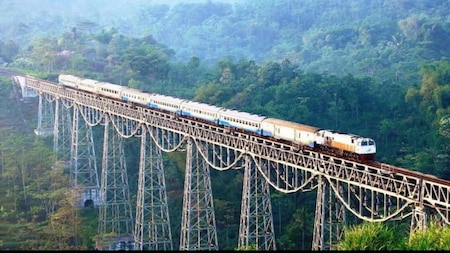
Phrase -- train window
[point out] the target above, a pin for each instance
(371, 142)
(364, 143)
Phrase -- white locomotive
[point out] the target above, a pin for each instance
(340, 144)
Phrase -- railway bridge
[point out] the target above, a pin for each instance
(371, 192)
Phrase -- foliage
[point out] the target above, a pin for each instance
(381, 39)
(434, 237)
(368, 236)
(381, 236)
(252, 247)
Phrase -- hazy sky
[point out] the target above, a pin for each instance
(191, 1)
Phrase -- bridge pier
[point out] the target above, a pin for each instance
(83, 172)
(419, 216)
(418, 220)
(45, 125)
(198, 226)
(329, 218)
(115, 242)
(63, 130)
(116, 219)
(256, 231)
(152, 228)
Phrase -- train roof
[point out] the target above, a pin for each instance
(345, 134)
(133, 91)
(292, 124)
(165, 98)
(201, 106)
(112, 86)
(89, 82)
(68, 78)
(241, 115)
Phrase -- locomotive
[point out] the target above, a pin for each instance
(349, 146)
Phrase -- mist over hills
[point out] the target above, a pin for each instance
(382, 37)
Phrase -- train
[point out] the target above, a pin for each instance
(336, 143)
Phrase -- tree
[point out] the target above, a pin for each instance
(214, 93)
(298, 231)
(63, 224)
(444, 126)
(8, 50)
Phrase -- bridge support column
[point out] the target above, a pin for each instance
(62, 132)
(419, 216)
(83, 166)
(115, 230)
(256, 230)
(152, 229)
(45, 116)
(198, 226)
(329, 219)
(418, 220)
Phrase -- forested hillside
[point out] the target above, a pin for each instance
(374, 68)
(378, 38)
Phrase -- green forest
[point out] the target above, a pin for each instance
(379, 69)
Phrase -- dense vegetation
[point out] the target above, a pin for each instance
(375, 68)
(388, 236)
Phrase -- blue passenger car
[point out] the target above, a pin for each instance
(244, 120)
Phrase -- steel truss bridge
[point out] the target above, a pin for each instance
(370, 193)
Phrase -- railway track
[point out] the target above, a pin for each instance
(399, 170)
(9, 73)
